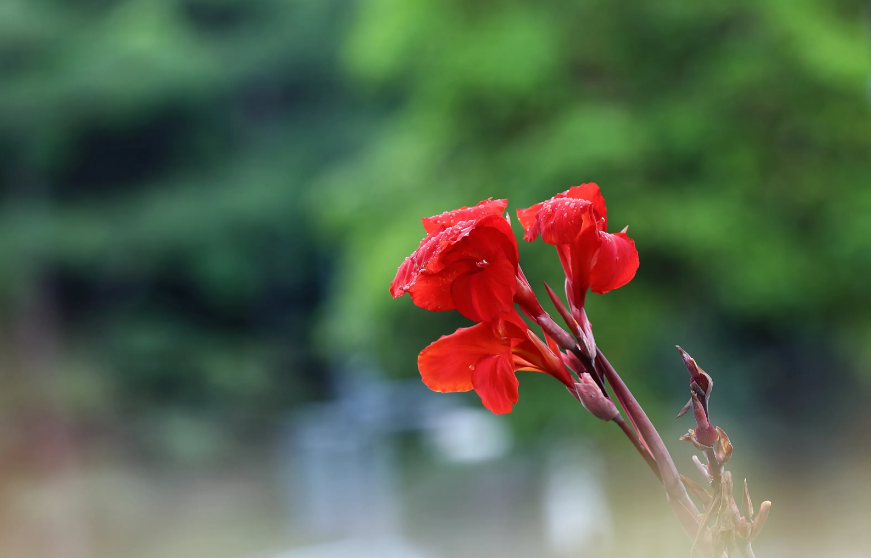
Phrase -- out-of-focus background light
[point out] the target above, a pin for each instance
(202, 203)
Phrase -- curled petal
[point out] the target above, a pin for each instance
(451, 218)
(466, 247)
(495, 382)
(447, 364)
(590, 191)
(616, 264)
(587, 192)
(582, 253)
(560, 220)
(527, 218)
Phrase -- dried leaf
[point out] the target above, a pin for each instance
(699, 492)
(723, 449)
(759, 522)
(685, 408)
(747, 504)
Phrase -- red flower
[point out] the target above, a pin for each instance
(467, 261)
(485, 357)
(575, 222)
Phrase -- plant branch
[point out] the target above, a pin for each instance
(676, 493)
(651, 462)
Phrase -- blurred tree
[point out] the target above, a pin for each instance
(152, 158)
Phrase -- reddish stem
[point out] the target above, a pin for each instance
(638, 445)
(676, 493)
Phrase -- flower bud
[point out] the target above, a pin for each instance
(525, 297)
(553, 364)
(592, 398)
(701, 383)
(705, 434)
(564, 312)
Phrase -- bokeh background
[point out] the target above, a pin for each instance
(202, 203)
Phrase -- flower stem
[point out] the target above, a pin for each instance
(651, 462)
(676, 493)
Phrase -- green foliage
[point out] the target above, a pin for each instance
(734, 139)
(216, 194)
(153, 159)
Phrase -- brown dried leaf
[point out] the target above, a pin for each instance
(759, 522)
(699, 492)
(747, 504)
(723, 449)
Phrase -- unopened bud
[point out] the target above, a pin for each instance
(553, 364)
(586, 342)
(701, 383)
(564, 312)
(525, 297)
(592, 398)
(692, 437)
(562, 337)
(705, 434)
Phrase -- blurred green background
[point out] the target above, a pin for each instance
(202, 203)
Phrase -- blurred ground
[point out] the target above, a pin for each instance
(126, 509)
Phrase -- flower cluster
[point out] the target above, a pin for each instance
(468, 261)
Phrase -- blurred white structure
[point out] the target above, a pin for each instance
(339, 472)
(464, 435)
(577, 518)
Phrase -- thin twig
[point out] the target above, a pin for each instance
(651, 462)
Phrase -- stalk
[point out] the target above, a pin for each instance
(676, 493)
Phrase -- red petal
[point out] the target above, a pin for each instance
(484, 292)
(442, 257)
(451, 218)
(527, 217)
(432, 291)
(582, 254)
(590, 191)
(560, 220)
(616, 264)
(446, 365)
(495, 382)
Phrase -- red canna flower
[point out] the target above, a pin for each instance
(575, 221)
(468, 261)
(485, 357)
